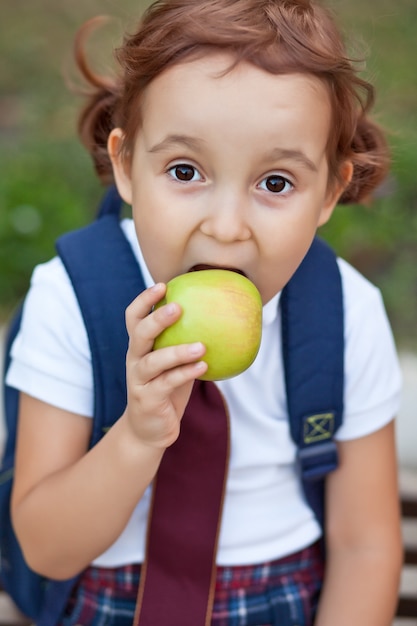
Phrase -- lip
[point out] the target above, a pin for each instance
(203, 266)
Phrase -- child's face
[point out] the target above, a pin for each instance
(229, 171)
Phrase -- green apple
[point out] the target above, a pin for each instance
(223, 310)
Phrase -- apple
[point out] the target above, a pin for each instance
(223, 310)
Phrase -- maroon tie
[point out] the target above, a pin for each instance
(178, 576)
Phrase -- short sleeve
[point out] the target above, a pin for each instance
(372, 370)
(51, 358)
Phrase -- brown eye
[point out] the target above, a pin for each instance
(275, 183)
(184, 173)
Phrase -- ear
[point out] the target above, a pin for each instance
(121, 167)
(335, 191)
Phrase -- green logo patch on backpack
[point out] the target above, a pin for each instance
(318, 427)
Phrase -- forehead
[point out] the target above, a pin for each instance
(204, 94)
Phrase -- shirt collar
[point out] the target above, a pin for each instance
(270, 310)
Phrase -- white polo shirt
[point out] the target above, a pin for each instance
(265, 515)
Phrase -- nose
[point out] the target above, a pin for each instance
(226, 219)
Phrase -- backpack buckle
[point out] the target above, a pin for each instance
(318, 460)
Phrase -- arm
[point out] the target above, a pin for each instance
(70, 504)
(363, 534)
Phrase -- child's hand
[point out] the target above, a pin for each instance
(159, 382)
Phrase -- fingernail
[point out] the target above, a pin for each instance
(195, 348)
(171, 308)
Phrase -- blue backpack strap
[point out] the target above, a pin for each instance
(106, 278)
(11, 396)
(111, 204)
(21, 583)
(313, 351)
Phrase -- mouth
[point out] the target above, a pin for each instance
(202, 266)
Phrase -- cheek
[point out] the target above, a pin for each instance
(155, 262)
(160, 247)
(282, 254)
(290, 235)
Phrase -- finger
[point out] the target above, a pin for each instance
(155, 363)
(143, 303)
(153, 396)
(179, 376)
(143, 334)
(140, 330)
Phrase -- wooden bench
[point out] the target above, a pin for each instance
(9, 614)
(407, 602)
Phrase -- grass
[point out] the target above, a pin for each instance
(48, 186)
(381, 240)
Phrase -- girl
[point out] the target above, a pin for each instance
(233, 130)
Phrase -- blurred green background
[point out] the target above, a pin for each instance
(47, 184)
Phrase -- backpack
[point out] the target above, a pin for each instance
(103, 270)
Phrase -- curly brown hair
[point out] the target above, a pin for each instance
(279, 36)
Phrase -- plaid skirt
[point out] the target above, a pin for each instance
(278, 593)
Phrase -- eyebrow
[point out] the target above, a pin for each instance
(293, 155)
(177, 140)
(195, 144)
